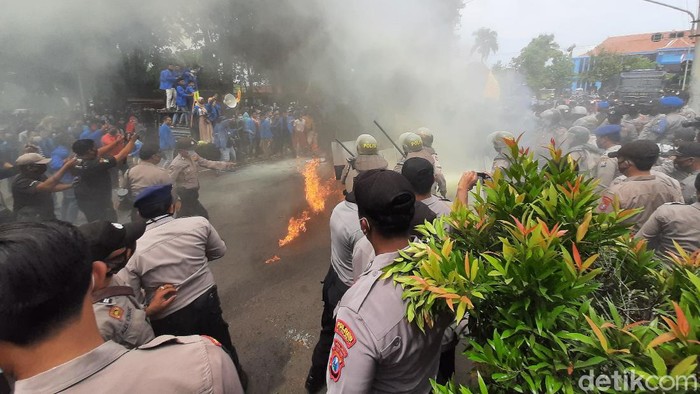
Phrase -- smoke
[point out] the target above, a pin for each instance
(401, 63)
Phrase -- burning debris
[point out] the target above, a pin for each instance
(316, 195)
(272, 259)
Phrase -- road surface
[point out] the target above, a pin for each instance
(273, 309)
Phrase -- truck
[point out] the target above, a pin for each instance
(640, 86)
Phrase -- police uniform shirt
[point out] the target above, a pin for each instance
(174, 251)
(607, 170)
(645, 191)
(27, 199)
(590, 122)
(685, 179)
(183, 171)
(375, 349)
(122, 319)
(359, 164)
(168, 364)
(437, 205)
(94, 181)
(673, 222)
(437, 169)
(143, 175)
(362, 255)
(345, 231)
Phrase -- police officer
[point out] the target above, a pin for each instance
(421, 176)
(412, 146)
(368, 158)
(375, 349)
(608, 140)
(120, 316)
(49, 341)
(663, 127)
(178, 252)
(640, 189)
(582, 152)
(184, 171)
(498, 140)
(684, 167)
(427, 137)
(593, 121)
(146, 173)
(674, 222)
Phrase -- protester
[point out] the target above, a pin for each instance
(183, 112)
(93, 187)
(167, 141)
(223, 139)
(206, 129)
(167, 83)
(49, 341)
(69, 205)
(31, 189)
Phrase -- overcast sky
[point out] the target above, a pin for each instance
(585, 23)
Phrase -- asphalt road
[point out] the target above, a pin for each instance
(273, 309)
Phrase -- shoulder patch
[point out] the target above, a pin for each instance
(336, 362)
(605, 203)
(116, 312)
(214, 341)
(345, 333)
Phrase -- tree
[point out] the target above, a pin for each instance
(607, 66)
(485, 42)
(544, 64)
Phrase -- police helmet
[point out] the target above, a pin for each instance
(497, 139)
(426, 135)
(579, 135)
(552, 116)
(366, 145)
(412, 143)
(563, 109)
(579, 110)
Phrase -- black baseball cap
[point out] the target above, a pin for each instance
(148, 150)
(639, 149)
(105, 237)
(384, 196)
(418, 171)
(687, 149)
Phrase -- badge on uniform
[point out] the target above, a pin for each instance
(337, 360)
(214, 341)
(116, 312)
(605, 203)
(344, 332)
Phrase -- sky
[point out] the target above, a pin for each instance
(584, 23)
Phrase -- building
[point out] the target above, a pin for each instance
(670, 50)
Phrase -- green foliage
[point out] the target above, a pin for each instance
(555, 289)
(485, 42)
(607, 66)
(544, 64)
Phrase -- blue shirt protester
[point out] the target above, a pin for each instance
(167, 140)
(167, 79)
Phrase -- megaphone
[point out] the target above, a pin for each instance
(230, 100)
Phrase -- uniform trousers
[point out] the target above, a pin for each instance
(190, 203)
(98, 210)
(333, 291)
(201, 317)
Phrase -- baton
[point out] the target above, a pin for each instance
(344, 147)
(390, 140)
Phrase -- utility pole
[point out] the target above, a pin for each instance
(695, 77)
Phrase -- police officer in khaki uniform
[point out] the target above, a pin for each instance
(664, 126)
(640, 189)
(49, 341)
(421, 175)
(412, 146)
(674, 222)
(368, 158)
(120, 316)
(375, 348)
(498, 140)
(683, 168)
(582, 152)
(184, 171)
(607, 139)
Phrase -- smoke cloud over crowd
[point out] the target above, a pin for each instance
(399, 62)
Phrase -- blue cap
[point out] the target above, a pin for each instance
(154, 194)
(603, 105)
(608, 129)
(671, 101)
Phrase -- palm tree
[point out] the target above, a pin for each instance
(485, 42)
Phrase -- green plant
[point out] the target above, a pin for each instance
(554, 288)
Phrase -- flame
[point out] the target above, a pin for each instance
(272, 259)
(295, 228)
(316, 192)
